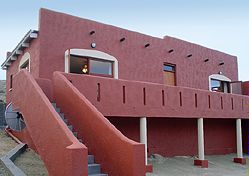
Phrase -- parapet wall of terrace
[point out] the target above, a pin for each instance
(136, 99)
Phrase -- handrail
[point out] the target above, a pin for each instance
(61, 152)
(117, 154)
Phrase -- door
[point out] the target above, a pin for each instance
(169, 74)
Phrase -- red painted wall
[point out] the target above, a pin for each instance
(245, 135)
(52, 139)
(59, 32)
(220, 136)
(118, 155)
(46, 86)
(245, 88)
(178, 137)
(112, 95)
(34, 51)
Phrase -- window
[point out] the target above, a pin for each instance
(220, 86)
(92, 66)
(100, 67)
(11, 81)
(25, 65)
(25, 62)
(169, 74)
(78, 65)
(170, 68)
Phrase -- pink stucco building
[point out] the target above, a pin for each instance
(126, 95)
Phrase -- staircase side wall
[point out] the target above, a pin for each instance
(61, 152)
(117, 154)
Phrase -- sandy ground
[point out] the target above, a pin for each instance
(6, 144)
(31, 164)
(219, 165)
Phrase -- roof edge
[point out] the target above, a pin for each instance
(24, 43)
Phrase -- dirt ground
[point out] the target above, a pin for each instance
(6, 144)
(219, 165)
(29, 162)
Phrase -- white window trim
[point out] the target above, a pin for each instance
(94, 54)
(24, 59)
(220, 78)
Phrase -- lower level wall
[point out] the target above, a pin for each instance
(175, 136)
(2, 115)
(245, 133)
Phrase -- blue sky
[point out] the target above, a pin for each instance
(218, 24)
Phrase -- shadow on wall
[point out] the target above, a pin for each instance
(2, 116)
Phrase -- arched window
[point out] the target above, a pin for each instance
(25, 62)
(93, 62)
(219, 83)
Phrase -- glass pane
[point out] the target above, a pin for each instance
(25, 65)
(215, 85)
(78, 65)
(170, 68)
(100, 67)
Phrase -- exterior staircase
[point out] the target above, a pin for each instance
(93, 168)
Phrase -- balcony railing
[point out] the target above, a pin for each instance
(115, 97)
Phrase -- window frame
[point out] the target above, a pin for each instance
(25, 65)
(89, 63)
(222, 86)
(24, 61)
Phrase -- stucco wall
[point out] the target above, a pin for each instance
(34, 51)
(220, 135)
(245, 88)
(138, 99)
(55, 143)
(59, 32)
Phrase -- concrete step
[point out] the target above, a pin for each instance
(93, 169)
(75, 134)
(90, 159)
(66, 121)
(62, 115)
(70, 127)
(54, 105)
(58, 110)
